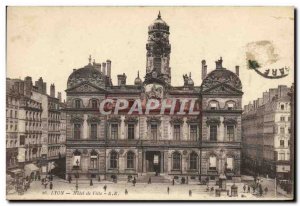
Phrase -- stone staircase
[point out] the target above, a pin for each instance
(154, 179)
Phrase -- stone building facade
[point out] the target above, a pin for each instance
(266, 134)
(120, 145)
(28, 137)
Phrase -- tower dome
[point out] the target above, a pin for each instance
(158, 25)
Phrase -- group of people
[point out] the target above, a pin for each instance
(256, 188)
(48, 180)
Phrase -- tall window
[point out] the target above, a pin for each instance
(212, 163)
(77, 131)
(213, 132)
(193, 132)
(230, 133)
(193, 161)
(281, 143)
(94, 158)
(93, 131)
(154, 131)
(130, 131)
(77, 103)
(282, 130)
(114, 131)
(177, 132)
(113, 160)
(229, 162)
(282, 107)
(282, 119)
(130, 160)
(94, 104)
(281, 156)
(176, 161)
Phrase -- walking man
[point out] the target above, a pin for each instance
(168, 190)
(105, 187)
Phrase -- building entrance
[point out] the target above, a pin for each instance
(153, 161)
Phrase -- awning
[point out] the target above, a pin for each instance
(29, 168)
(15, 171)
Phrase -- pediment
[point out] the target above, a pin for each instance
(221, 89)
(86, 87)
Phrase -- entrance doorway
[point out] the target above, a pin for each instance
(153, 161)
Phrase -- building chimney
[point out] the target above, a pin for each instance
(204, 69)
(104, 68)
(108, 63)
(219, 63)
(28, 85)
(52, 90)
(122, 79)
(59, 96)
(237, 70)
(97, 66)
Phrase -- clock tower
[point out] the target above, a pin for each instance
(158, 53)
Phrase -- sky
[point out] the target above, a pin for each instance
(50, 42)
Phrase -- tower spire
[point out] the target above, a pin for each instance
(138, 74)
(90, 59)
(159, 15)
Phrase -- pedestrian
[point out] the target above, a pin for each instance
(173, 181)
(39, 177)
(70, 179)
(134, 181)
(91, 182)
(51, 185)
(248, 189)
(99, 179)
(105, 187)
(126, 192)
(149, 181)
(187, 180)
(207, 188)
(190, 193)
(244, 188)
(260, 190)
(212, 189)
(168, 190)
(35, 177)
(266, 190)
(45, 184)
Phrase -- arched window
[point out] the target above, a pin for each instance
(94, 103)
(193, 161)
(130, 160)
(113, 160)
(176, 161)
(213, 105)
(93, 160)
(230, 105)
(77, 103)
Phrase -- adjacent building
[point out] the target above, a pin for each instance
(32, 120)
(199, 146)
(266, 134)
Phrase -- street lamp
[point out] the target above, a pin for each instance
(77, 163)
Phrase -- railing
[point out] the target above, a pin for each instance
(136, 142)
